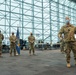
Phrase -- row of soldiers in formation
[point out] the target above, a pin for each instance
(13, 41)
(68, 30)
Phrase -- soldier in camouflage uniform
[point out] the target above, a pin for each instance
(70, 44)
(1, 38)
(12, 44)
(31, 40)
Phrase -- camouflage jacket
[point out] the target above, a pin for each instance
(68, 32)
(31, 39)
(12, 39)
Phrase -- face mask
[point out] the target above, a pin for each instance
(67, 21)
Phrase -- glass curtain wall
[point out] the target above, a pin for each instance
(43, 18)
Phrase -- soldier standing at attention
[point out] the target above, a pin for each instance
(31, 40)
(12, 44)
(1, 38)
(70, 44)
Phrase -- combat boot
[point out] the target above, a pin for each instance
(68, 65)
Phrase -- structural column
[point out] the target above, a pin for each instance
(33, 16)
(42, 22)
(9, 17)
(58, 18)
(22, 17)
(50, 21)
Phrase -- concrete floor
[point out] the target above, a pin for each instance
(50, 62)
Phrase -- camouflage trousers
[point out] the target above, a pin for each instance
(31, 48)
(70, 46)
(62, 46)
(0, 49)
(13, 47)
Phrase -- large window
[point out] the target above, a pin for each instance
(43, 18)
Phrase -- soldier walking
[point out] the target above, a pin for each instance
(70, 44)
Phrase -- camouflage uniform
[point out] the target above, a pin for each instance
(69, 39)
(1, 38)
(12, 44)
(31, 40)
